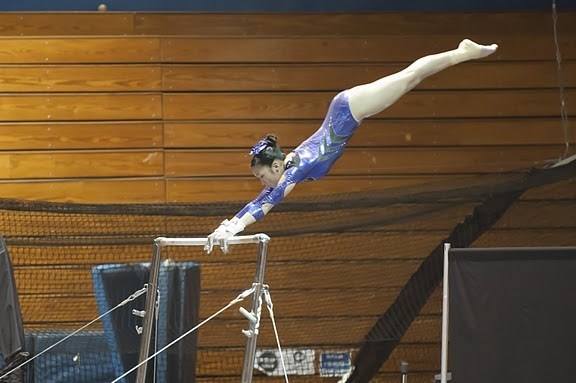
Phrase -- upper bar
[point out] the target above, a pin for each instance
(243, 239)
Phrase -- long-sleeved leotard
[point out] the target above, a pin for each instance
(314, 157)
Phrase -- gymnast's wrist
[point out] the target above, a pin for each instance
(233, 226)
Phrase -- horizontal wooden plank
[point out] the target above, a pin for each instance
(97, 226)
(198, 190)
(416, 104)
(69, 280)
(538, 214)
(373, 132)
(72, 253)
(55, 328)
(327, 331)
(421, 357)
(338, 302)
(289, 275)
(432, 217)
(424, 329)
(80, 78)
(294, 332)
(76, 50)
(80, 106)
(394, 217)
(420, 217)
(294, 248)
(105, 191)
(377, 161)
(106, 225)
(65, 23)
(527, 237)
(334, 77)
(17, 165)
(258, 24)
(329, 247)
(246, 188)
(81, 135)
(58, 308)
(360, 24)
(341, 49)
(545, 215)
(41, 308)
(560, 190)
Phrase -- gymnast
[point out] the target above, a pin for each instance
(314, 157)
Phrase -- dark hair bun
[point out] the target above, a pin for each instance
(271, 140)
(266, 151)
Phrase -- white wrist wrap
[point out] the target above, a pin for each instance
(233, 226)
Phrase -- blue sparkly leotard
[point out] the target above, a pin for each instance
(314, 157)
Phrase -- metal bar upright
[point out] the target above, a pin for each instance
(445, 312)
(149, 310)
(252, 332)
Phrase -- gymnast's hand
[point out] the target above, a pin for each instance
(227, 229)
(218, 237)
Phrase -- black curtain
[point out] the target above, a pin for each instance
(11, 329)
(512, 315)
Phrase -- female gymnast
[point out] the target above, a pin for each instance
(279, 173)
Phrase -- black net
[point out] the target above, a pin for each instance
(353, 277)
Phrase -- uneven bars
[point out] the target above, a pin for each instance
(151, 296)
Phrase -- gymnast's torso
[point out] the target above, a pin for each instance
(314, 157)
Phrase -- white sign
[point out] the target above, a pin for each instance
(297, 362)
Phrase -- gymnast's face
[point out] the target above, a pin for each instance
(269, 175)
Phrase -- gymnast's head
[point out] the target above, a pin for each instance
(267, 161)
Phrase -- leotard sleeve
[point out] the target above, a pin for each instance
(271, 196)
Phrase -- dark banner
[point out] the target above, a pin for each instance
(512, 315)
(11, 329)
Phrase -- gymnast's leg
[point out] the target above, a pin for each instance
(369, 99)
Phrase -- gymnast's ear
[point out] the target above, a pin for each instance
(277, 166)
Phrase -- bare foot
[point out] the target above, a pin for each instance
(473, 50)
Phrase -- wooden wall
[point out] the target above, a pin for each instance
(162, 107)
(138, 108)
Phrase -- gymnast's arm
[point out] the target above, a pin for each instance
(257, 209)
(252, 212)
